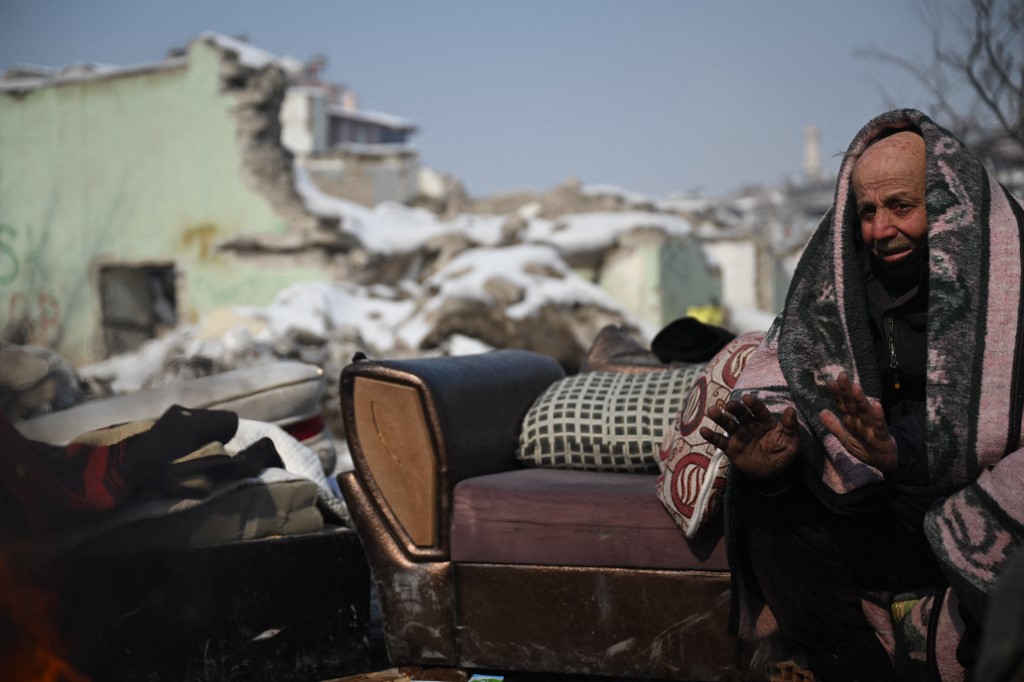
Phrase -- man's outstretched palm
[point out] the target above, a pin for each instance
(754, 440)
(860, 425)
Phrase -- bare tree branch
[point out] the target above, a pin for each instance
(983, 55)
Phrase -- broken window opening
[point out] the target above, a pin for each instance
(138, 303)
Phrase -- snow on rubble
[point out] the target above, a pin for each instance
(472, 282)
(599, 231)
(484, 297)
(248, 55)
(389, 227)
(536, 272)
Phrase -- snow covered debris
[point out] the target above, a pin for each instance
(520, 296)
(588, 232)
(390, 228)
(248, 55)
(316, 312)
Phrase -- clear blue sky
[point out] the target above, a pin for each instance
(655, 96)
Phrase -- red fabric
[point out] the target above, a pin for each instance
(306, 429)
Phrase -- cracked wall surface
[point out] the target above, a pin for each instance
(258, 94)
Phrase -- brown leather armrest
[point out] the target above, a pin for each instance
(417, 427)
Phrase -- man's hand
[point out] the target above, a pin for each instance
(754, 440)
(860, 426)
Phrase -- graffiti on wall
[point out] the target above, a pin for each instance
(9, 264)
(32, 318)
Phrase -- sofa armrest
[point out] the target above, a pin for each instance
(417, 427)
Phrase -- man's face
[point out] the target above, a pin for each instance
(888, 183)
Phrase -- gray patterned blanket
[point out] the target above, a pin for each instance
(975, 376)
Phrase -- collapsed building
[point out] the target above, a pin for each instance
(120, 183)
(136, 200)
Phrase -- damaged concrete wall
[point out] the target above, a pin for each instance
(741, 280)
(658, 277)
(258, 95)
(303, 120)
(369, 175)
(150, 166)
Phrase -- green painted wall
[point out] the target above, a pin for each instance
(686, 279)
(132, 169)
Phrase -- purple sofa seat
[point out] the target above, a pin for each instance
(556, 517)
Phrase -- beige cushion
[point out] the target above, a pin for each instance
(279, 393)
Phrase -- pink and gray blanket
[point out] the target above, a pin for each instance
(975, 376)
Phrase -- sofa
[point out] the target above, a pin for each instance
(485, 562)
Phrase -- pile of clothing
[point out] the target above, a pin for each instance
(190, 478)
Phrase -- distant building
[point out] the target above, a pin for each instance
(356, 154)
(136, 198)
(782, 219)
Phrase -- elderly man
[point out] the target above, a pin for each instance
(875, 434)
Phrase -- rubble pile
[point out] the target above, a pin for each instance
(35, 381)
(512, 297)
(412, 284)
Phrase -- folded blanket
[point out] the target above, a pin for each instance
(296, 458)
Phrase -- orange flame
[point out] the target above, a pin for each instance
(32, 650)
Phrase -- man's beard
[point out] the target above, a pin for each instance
(903, 275)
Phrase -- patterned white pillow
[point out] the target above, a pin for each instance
(693, 471)
(604, 421)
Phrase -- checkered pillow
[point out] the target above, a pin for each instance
(604, 421)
